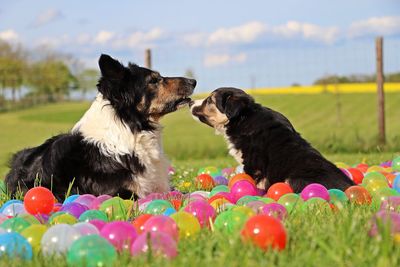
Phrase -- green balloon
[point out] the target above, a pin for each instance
(291, 201)
(230, 221)
(396, 164)
(266, 200)
(338, 198)
(373, 176)
(62, 217)
(91, 251)
(219, 188)
(115, 209)
(93, 214)
(157, 206)
(316, 204)
(15, 224)
(34, 234)
(211, 170)
(383, 194)
(29, 218)
(246, 199)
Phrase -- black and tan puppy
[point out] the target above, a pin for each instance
(115, 148)
(265, 142)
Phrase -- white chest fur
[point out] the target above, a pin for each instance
(101, 127)
(235, 153)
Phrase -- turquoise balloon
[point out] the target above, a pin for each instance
(70, 199)
(219, 188)
(16, 224)
(230, 221)
(338, 198)
(157, 206)
(91, 251)
(93, 215)
(15, 246)
(246, 199)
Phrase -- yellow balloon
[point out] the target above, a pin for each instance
(188, 225)
(34, 234)
(64, 218)
(246, 210)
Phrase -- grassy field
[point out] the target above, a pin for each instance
(343, 127)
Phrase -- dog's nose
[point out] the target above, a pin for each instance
(193, 82)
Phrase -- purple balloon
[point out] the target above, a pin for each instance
(98, 223)
(274, 210)
(119, 234)
(220, 180)
(42, 218)
(161, 244)
(255, 205)
(261, 191)
(227, 171)
(315, 190)
(385, 217)
(75, 209)
(97, 202)
(391, 204)
(162, 223)
(85, 199)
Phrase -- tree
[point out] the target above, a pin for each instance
(87, 80)
(50, 77)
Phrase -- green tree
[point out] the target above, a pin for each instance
(87, 80)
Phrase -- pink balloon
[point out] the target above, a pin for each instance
(85, 228)
(85, 199)
(243, 188)
(162, 223)
(203, 211)
(226, 195)
(315, 190)
(256, 205)
(97, 202)
(98, 223)
(119, 234)
(161, 244)
(274, 210)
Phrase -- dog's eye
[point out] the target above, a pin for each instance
(209, 100)
(154, 80)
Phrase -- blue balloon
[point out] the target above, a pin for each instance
(396, 183)
(169, 211)
(70, 199)
(9, 203)
(15, 245)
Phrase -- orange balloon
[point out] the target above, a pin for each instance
(390, 177)
(357, 175)
(363, 167)
(358, 195)
(239, 177)
(277, 190)
(205, 181)
(265, 231)
(177, 203)
(139, 222)
(39, 200)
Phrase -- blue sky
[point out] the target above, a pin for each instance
(239, 43)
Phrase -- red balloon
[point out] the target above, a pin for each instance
(277, 190)
(358, 195)
(362, 167)
(205, 181)
(140, 221)
(357, 175)
(39, 200)
(265, 231)
(240, 177)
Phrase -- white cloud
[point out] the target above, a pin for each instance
(47, 16)
(245, 33)
(213, 60)
(139, 39)
(308, 31)
(9, 36)
(375, 25)
(195, 39)
(103, 37)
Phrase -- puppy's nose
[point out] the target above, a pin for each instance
(192, 82)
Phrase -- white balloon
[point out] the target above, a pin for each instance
(85, 228)
(58, 238)
(14, 209)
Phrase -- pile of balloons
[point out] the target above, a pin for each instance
(92, 231)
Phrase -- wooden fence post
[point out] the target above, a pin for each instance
(380, 90)
(147, 58)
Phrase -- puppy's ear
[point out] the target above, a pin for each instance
(111, 68)
(233, 104)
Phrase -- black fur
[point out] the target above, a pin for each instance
(68, 158)
(271, 147)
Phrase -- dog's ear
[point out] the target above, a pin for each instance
(111, 68)
(232, 104)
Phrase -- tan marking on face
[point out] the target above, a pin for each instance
(209, 110)
(167, 91)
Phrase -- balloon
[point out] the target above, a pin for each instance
(265, 232)
(15, 246)
(34, 234)
(9, 202)
(160, 244)
(14, 209)
(383, 194)
(291, 201)
(161, 223)
(70, 199)
(278, 189)
(39, 200)
(315, 190)
(119, 234)
(114, 208)
(62, 218)
(158, 206)
(93, 214)
(316, 204)
(220, 180)
(275, 210)
(74, 209)
(140, 221)
(246, 199)
(374, 176)
(15, 225)
(91, 251)
(230, 221)
(241, 177)
(97, 202)
(392, 203)
(246, 210)
(99, 224)
(188, 224)
(85, 228)
(396, 164)
(203, 211)
(396, 183)
(243, 188)
(256, 205)
(204, 181)
(385, 218)
(358, 195)
(356, 175)
(338, 198)
(219, 188)
(86, 199)
(58, 238)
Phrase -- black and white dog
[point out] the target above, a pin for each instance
(115, 148)
(265, 142)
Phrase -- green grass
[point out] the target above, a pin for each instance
(347, 134)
